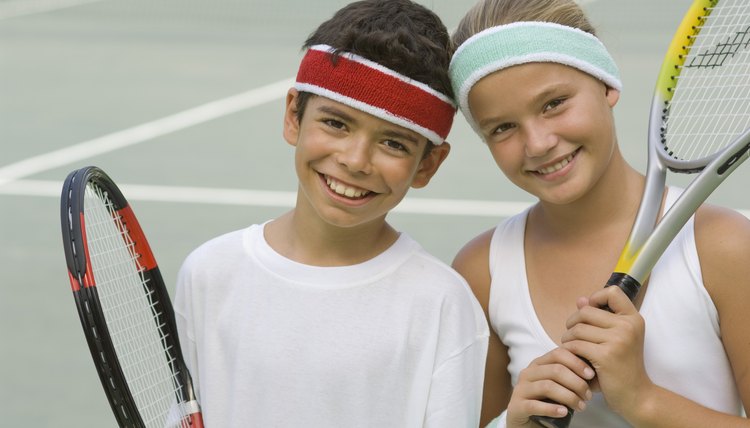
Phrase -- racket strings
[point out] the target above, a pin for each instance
(130, 309)
(710, 104)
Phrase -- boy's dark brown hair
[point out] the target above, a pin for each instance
(398, 34)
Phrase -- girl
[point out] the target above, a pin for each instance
(539, 88)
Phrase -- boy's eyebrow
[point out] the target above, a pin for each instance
(336, 112)
(392, 133)
(401, 136)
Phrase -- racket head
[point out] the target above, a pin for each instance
(109, 263)
(703, 89)
(699, 114)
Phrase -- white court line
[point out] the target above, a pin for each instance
(15, 8)
(144, 132)
(267, 198)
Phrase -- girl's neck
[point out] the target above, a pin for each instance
(611, 202)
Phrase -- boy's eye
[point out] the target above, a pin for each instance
(333, 123)
(395, 145)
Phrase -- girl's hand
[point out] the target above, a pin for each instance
(556, 377)
(613, 343)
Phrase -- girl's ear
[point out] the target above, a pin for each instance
(430, 164)
(613, 95)
(291, 121)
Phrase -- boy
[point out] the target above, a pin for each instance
(327, 316)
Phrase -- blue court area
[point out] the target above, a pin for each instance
(181, 102)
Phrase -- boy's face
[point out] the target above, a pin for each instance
(353, 168)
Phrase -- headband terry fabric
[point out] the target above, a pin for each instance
(374, 89)
(518, 43)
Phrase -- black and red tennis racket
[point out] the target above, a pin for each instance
(124, 307)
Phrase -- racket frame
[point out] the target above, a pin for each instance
(89, 308)
(651, 235)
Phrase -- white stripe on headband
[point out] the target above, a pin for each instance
(518, 43)
(370, 87)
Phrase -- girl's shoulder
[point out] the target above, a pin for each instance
(722, 238)
(722, 232)
(472, 262)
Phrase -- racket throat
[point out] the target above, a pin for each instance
(627, 283)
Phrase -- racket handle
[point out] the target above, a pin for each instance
(550, 422)
(630, 286)
(627, 283)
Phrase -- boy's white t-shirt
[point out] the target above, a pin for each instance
(396, 341)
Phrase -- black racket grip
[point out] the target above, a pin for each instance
(549, 422)
(630, 286)
(627, 284)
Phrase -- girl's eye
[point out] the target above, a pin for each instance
(503, 127)
(554, 104)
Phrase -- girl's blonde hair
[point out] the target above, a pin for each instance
(490, 13)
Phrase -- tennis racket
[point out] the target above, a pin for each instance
(124, 307)
(699, 124)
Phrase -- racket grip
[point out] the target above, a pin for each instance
(627, 283)
(549, 422)
(630, 286)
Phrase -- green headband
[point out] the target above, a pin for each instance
(518, 43)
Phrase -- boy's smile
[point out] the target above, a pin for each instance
(353, 168)
(347, 191)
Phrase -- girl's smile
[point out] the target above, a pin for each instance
(557, 168)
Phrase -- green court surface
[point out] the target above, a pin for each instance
(181, 102)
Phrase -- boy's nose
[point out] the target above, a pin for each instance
(355, 155)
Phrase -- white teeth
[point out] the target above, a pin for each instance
(556, 167)
(342, 189)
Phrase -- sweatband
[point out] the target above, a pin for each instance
(518, 43)
(374, 89)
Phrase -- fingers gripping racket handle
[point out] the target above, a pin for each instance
(630, 286)
(549, 422)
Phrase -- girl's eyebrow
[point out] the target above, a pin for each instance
(541, 97)
(484, 122)
(547, 93)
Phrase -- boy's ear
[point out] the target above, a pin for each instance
(291, 122)
(430, 164)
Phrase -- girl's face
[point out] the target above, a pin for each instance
(548, 126)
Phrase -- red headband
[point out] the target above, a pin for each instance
(368, 86)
